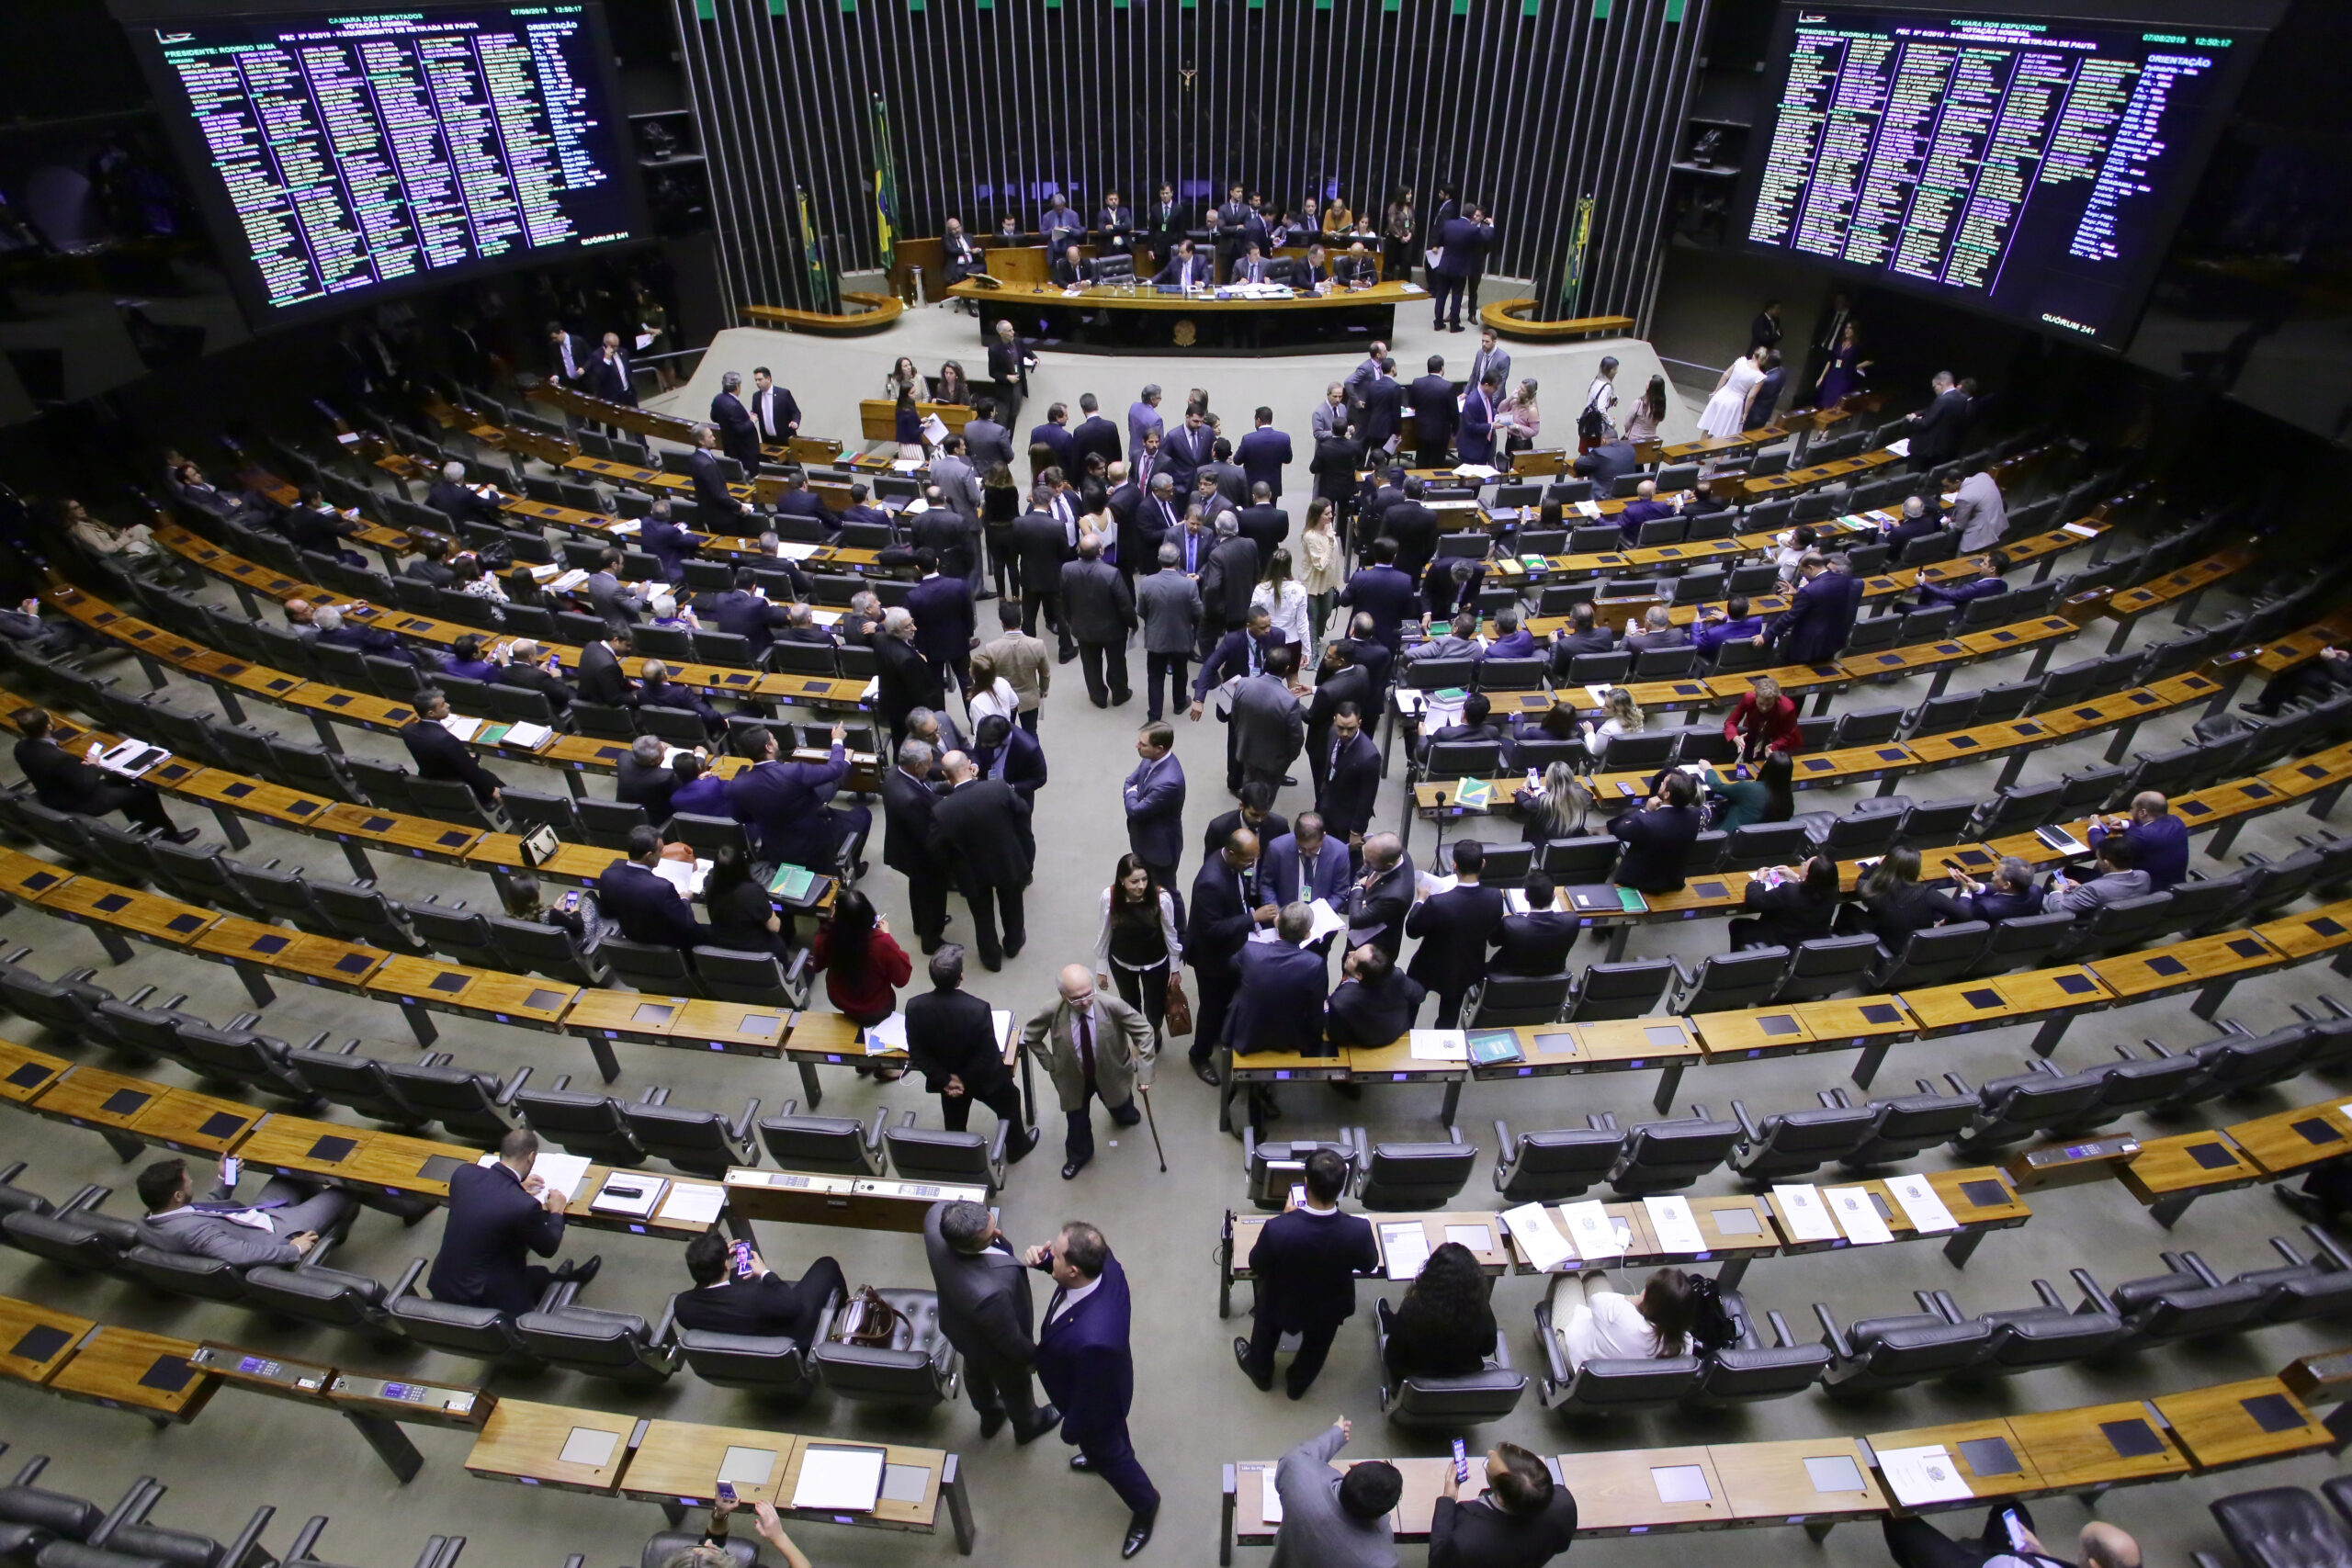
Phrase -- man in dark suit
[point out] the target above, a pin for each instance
(775, 417)
(1154, 798)
(663, 538)
(1263, 523)
(1040, 543)
(1185, 269)
(1263, 454)
(1338, 457)
(1266, 727)
(1658, 836)
(1414, 528)
(64, 783)
(608, 376)
(985, 1310)
(646, 907)
(1476, 436)
(1605, 465)
(951, 1040)
(1055, 437)
(743, 611)
(784, 805)
(1378, 659)
(1912, 522)
(989, 442)
(1186, 447)
(1351, 779)
(567, 357)
(754, 1301)
(1383, 591)
(1225, 907)
(1305, 864)
(1099, 610)
(1228, 580)
(908, 802)
(644, 779)
(1384, 410)
(2010, 896)
(1339, 679)
(1455, 927)
(1255, 812)
(1461, 241)
(1374, 1002)
(1304, 1266)
(432, 562)
(1536, 942)
(441, 755)
(1165, 221)
(1434, 412)
(1524, 1520)
(945, 626)
(450, 497)
(1936, 430)
(977, 825)
(713, 500)
(1988, 581)
(796, 500)
(1382, 898)
(498, 1213)
(906, 679)
(1811, 630)
(2159, 840)
(602, 679)
(1009, 362)
(1094, 437)
(1645, 507)
(1222, 478)
(1278, 990)
(738, 436)
(1088, 1368)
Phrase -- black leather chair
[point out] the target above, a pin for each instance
(1665, 1156)
(1731, 981)
(700, 1141)
(471, 1106)
(75, 1233)
(1506, 1001)
(1273, 1167)
(593, 1126)
(919, 1366)
(2305, 1288)
(1397, 1177)
(772, 1365)
(1548, 1167)
(829, 1145)
(184, 1274)
(2013, 1109)
(1449, 1403)
(312, 1292)
(1878, 1353)
(2283, 1527)
(1791, 1144)
(32, 1516)
(1606, 1387)
(933, 1154)
(1607, 991)
(1827, 965)
(2190, 1301)
(1908, 1124)
(1749, 1370)
(597, 1343)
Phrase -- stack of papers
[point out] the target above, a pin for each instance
(1476, 472)
(1440, 1045)
(1588, 509)
(1326, 920)
(1428, 886)
(1530, 1226)
(839, 1480)
(1917, 1476)
(1857, 1215)
(687, 879)
(694, 1202)
(1406, 1247)
(794, 550)
(890, 1035)
(462, 728)
(630, 1193)
(626, 526)
(567, 581)
(1269, 1501)
(1902, 449)
(1591, 1231)
(533, 736)
(1807, 1218)
(562, 1173)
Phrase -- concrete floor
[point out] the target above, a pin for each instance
(1194, 1409)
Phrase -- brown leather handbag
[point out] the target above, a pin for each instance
(866, 1319)
(1179, 1019)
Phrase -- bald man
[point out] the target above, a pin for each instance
(2159, 841)
(1092, 1045)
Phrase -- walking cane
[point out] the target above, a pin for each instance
(1153, 1122)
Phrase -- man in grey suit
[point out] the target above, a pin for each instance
(1144, 415)
(1093, 1046)
(1227, 582)
(986, 1311)
(1169, 603)
(1334, 1519)
(988, 442)
(612, 598)
(1269, 727)
(1099, 612)
(953, 472)
(281, 1226)
(1492, 359)
(1331, 414)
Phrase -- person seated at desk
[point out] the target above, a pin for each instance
(645, 906)
(336, 632)
(453, 498)
(644, 779)
(2007, 1541)
(1251, 266)
(1620, 715)
(1658, 836)
(1763, 721)
(1335, 1518)
(513, 662)
(1070, 269)
(311, 524)
(1788, 905)
(1555, 808)
(737, 1294)
(1896, 904)
(1914, 523)
(1537, 943)
(1992, 568)
(62, 782)
(1445, 1325)
(2313, 681)
(1314, 272)
(666, 613)
(499, 1214)
(610, 597)
(1766, 797)
(1645, 507)
(1512, 640)
(656, 690)
(1374, 1002)
(1524, 1521)
(743, 918)
(715, 1553)
(1720, 623)
(2116, 877)
(280, 1227)
(1478, 724)
(1605, 465)
(1657, 630)
(796, 500)
(1608, 1325)
(575, 913)
(1585, 633)
(1354, 269)
(695, 786)
(2009, 897)
(1302, 1268)
(432, 562)
(438, 754)
(1185, 270)
(1459, 640)
(1452, 585)
(2159, 841)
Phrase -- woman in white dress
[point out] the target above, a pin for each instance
(990, 693)
(1608, 1325)
(1283, 597)
(1727, 411)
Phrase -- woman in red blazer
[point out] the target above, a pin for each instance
(1764, 721)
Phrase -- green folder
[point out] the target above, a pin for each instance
(791, 882)
(1473, 792)
(1493, 1047)
(491, 734)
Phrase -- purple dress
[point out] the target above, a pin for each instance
(1841, 381)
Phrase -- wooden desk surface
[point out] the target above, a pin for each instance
(680, 1461)
(869, 1203)
(25, 1073)
(196, 1123)
(2187, 1162)
(1989, 1004)
(2238, 1423)
(2087, 1446)
(149, 915)
(36, 1340)
(1617, 1492)
(1147, 299)
(27, 877)
(2287, 1141)
(581, 1211)
(299, 1145)
(259, 1371)
(889, 1513)
(122, 1369)
(420, 1166)
(2181, 964)
(2312, 932)
(1776, 1481)
(525, 1441)
(92, 1096)
(454, 988)
(1990, 1472)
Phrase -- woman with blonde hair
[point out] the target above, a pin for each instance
(1556, 810)
(1620, 715)
(1324, 575)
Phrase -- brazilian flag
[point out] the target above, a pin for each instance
(820, 291)
(885, 186)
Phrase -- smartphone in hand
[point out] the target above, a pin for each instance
(1460, 1464)
(727, 1492)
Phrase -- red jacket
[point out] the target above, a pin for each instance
(876, 991)
(1778, 727)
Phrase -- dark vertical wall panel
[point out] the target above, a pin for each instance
(1526, 105)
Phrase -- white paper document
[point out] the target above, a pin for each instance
(694, 1202)
(795, 549)
(1440, 1045)
(628, 1193)
(589, 1446)
(1404, 1246)
(1590, 1230)
(1673, 1224)
(1001, 1019)
(2080, 530)
(1477, 470)
(839, 1480)
(462, 728)
(904, 465)
(1270, 1500)
(1588, 509)
(1923, 1475)
(1477, 1238)
(1802, 1211)
(1428, 886)
(562, 1173)
(934, 429)
(1530, 1226)
(1326, 920)
(1900, 448)
(566, 581)
(625, 527)
(533, 736)
(687, 879)
(1857, 1215)
(890, 1035)
(1920, 1205)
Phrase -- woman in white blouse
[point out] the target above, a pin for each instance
(1137, 948)
(1620, 715)
(476, 583)
(1283, 597)
(1324, 576)
(1612, 1326)
(990, 693)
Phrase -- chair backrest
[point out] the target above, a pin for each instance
(1621, 990)
(769, 1364)
(1745, 1373)
(1599, 669)
(1510, 674)
(593, 1342)
(834, 1145)
(1640, 751)
(1437, 674)
(1605, 1384)
(647, 966)
(1768, 843)
(708, 834)
(1581, 862)
(1509, 1000)
(1791, 1142)
(1662, 1155)
(1867, 727)
(1548, 1165)
(1464, 759)
(1934, 956)
(1733, 982)
(933, 1154)
(756, 978)
(1416, 1176)
(696, 1141)
(1825, 966)
(607, 823)
(1453, 1404)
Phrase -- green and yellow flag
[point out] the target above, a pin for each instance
(818, 294)
(886, 186)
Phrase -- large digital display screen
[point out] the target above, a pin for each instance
(344, 157)
(2032, 166)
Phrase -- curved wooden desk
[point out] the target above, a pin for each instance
(1511, 318)
(1112, 320)
(874, 313)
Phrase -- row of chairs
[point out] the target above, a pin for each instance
(43, 1527)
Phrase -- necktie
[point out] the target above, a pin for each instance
(1086, 1043)
(569, 368)
(1333, 765)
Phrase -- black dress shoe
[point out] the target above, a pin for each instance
(185, 836)
(1071, 1169)
(2302, 1204)
(1241, 1358)
(581, 1273)
(1205, 1073)
(991, 1423)
(1020, 1151)
(1079, 1462)
(1048, 1417)
(1288, 781)
(1138, 1534)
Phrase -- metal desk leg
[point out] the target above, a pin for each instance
(154, 670)
(125, 1147)
(232, 829)
(1943, 679)
(2166, 1211)
(359, 859)
(391, 1444)
(1962, 1247)
(245, 598)
(326, 733)
(2218, 846)
(1617, 937)
(1734, 1271)
(1889, 785)
(1452, 1099)
(2187, 606)
(2323, 802)
(2122, 635)
(2122, 742)
(2209, 999)
(1819, 1531)
(1225, 1521)
(256, 984)
(118, 948)
(674, 1514)
(2046, 1038)
(1873, 1056)
(1225, 1270)
(420, 1023)
(600, 1050)
(2338, 1422)
(1821, 703)
(227, 697)
(1670, 1081)
(578, 782)
(2010, 772)
(959, 1505)
(810, 1087)
(2041, 661)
